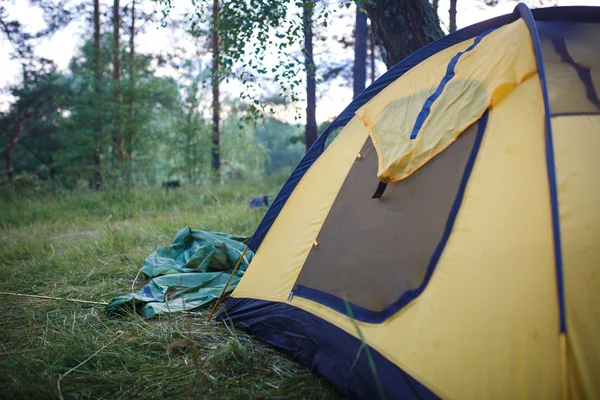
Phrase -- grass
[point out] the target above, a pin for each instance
(90, 246)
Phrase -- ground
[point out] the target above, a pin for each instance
(90, 245)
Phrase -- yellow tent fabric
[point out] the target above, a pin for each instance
(506, 304)
(576, 140)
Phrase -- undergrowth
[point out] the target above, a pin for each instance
(90, 245)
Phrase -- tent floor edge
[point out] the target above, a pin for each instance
(324, 348)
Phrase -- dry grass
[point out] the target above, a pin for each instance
(90, 246)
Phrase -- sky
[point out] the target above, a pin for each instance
(62, 46)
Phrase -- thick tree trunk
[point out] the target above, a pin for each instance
(117, 99)
(402, 27)
(216, 150)
(452, 12)
(360, 52)
(97, 179)
(311, 82)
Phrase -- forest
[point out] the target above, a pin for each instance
(164, 116)
(112, 120)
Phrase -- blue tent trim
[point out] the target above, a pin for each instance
(363, 314)
(324, 348)
(571, 114)
(529, 20)
(565, 13)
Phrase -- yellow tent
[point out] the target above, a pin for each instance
(446, 242)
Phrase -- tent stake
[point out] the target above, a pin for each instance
(227, 284)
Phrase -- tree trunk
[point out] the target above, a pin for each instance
(132, 81)
(372, 52)
(191, 120)
(19, 127)
(216, 150)
(402, 27)
(188, 150)
(117, 99)
(360, 52)
(131, 125)
(10, 148)
(97, 179)
(434, 4)
(311, 82)
(452, 12)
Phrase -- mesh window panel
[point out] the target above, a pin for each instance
(572, 62)
(370, 252)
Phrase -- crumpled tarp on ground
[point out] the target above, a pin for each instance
(189, 273)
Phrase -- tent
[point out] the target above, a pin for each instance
(442, 237)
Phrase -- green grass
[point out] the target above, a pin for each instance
(88, 245)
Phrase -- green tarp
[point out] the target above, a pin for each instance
(189, 273)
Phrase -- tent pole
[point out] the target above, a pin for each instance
(227, 284)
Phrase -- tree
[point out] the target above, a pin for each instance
(452, 16)
(216, 153)
(97, 181)
(131, 93)
(247, 30)
(402, 27)
(198, 133)
(191, 130)
(372, 52)
(360, 51)
(157, 114)
(83, 139)
(311, 82)
(38, 99)
(35, 99)
(116, 85)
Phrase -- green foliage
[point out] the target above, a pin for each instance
(91, 108)
(70, 138)
(279, 139)
(38, 106)
(250, 32)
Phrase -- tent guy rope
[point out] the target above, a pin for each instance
(37, 296)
